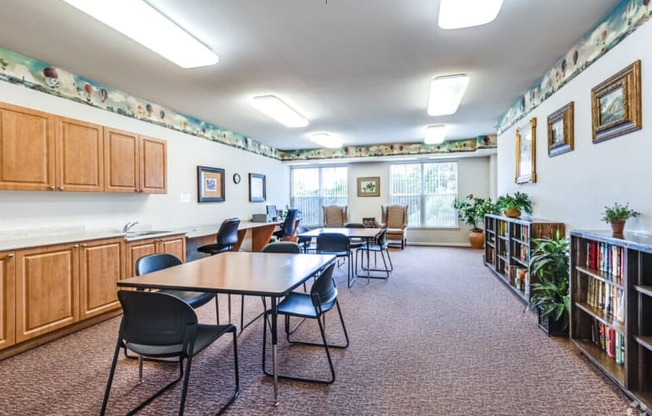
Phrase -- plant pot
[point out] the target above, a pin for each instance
(617, 227)
(476, 239)
(551, 326)
(512, 212)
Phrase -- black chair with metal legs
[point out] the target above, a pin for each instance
(161, 325)
(356, 243)
(304, 242)
(380, 246)
(338, 245)
(321, 299)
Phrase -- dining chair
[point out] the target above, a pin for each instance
(289, 226)
(304, 242)
(356, 243)
(395, 219)
(314, 305)
(161, 325)
(380, 246)
(338, 245)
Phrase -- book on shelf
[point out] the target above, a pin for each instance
(607, 259)
(609, 341)
(608, 299)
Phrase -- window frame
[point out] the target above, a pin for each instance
(321, 198)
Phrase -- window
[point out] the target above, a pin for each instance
(428, 189)
(314, 187)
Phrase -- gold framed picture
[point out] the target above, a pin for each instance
(210, 184)
(526, 152)
(616, 104)
(560, 130)
(369, 186)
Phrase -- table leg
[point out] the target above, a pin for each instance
(274, 328)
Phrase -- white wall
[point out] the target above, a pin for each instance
(29, 210)
(574, 187)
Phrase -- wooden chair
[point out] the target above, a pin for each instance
(335, 215)
(395, 218)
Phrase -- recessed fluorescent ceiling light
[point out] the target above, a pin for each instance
(457, 14)
(325, 140)
(144, 24)
(275, 108)
(435, 134)
(446, 93)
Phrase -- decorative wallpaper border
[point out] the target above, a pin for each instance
(624, 19)
(40, 76)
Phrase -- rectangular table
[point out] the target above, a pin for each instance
(254, 274)
(368, 234)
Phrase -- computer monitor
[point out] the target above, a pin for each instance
(271, 210)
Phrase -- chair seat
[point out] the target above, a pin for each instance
(300, 305)
(344, 253)
(375, 247)
(194, 299)
(214, 248)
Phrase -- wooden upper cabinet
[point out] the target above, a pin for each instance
(7, 300)
(80, 155)
(153, 165)
(100, 268)
(27, 153)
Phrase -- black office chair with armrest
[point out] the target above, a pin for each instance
(338, 245)
(161, 325)
(321, 299)
(380, 246)
(226, 238)
(289, 226)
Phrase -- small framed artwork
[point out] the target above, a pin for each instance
(526, 145)
(369, 186)
(210, 184)
(257, 192)
(560, 130)
(616, 104)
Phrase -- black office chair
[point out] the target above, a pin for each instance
(161, 325)
(227, 237)
(338, 245)
(380, 246)
(289, 225)
(321, 299)
(304, 242)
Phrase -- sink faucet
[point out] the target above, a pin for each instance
(128, 226)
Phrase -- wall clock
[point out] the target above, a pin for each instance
(236, 178)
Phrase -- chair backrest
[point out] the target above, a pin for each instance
(154, 262)
(381, 240)
(395, 216)
(227, 235)
(153, 318)
(282, 247)
(335, 215)
(332, 243)
(354, 225)
(289, 225)
(323, 292)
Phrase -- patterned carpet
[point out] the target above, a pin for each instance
(442, 336)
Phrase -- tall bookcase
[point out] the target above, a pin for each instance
(508, 244)
(611, 307)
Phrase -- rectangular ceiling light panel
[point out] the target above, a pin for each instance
(144, 24)
(273, 107)
(457, 14)
(446, 93)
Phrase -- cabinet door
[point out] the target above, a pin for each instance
(26, 149)
(47, 289)
(7, 300)
(153, 165)
(80, 155)
(174, 245)
(100, 268)
(136, 250)
(121, 169)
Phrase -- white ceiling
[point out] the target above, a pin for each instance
(359, 69)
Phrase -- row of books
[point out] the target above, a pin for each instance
(502, 228)
(521, 232)
(608, 259)
(519, 277)
(609, 341)
(607, 298)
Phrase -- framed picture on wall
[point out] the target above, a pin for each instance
(616, 104)
(210, 184)
(526, 152)
(560, 131)
(369, 186)
(257, 192)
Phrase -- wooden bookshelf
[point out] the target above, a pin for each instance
(611, 307)
(508, 244)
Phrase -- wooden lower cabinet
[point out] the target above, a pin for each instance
(100, 268)
(7, 299)
(175, 244)
(47, 289)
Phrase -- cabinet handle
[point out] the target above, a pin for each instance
(84, 245)
(52, 188)
(10, 255)
(75, 246)
(61, 188)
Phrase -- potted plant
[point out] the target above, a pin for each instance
(549, 294)
(512, 205)
(471, 210)
(616, 216)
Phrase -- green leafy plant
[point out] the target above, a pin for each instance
(618, 212)
(550, 264)
(471, 210)
(519, 200)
